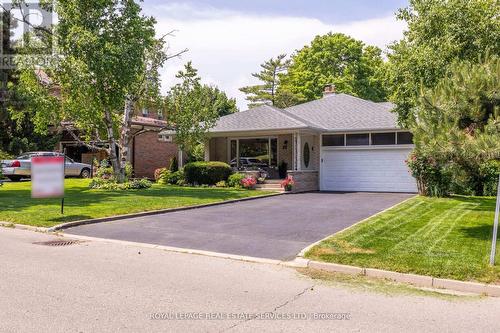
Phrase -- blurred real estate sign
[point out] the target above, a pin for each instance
(47, 177)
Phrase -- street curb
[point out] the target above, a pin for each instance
(413, 279)
(152, 212)
(22, 227)
(178, 250)
(309, 247)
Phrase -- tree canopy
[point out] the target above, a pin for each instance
(457, 122)
(193, 108)
(439, 34)
(268, 92)
(353, 67)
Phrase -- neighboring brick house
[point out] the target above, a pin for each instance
(149, 150)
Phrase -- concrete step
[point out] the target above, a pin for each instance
(273, 181)
(265, 185)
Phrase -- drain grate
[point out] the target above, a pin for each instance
(59, 242)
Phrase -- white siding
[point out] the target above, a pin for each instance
(371, 170)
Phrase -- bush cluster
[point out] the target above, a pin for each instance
(433, 179)
(439, 179)
(235, 180)
(104, 179)
(206, 173)
(104, 184)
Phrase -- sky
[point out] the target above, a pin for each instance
(227, 40)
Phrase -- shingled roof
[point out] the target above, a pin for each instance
(334, 112)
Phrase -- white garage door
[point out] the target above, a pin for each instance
(376, 170)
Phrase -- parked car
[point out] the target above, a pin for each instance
(248, 162)
(20, 167)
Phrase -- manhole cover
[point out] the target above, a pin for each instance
(59, 242)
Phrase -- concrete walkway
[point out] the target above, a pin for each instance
(276, 227)
(103, 287)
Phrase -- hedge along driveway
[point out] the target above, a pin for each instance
(17, 206)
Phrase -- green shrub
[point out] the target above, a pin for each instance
(206, 173)
(433, 179)
(159, 172)
(174, 165)
(222, 183)
(235, 180)
(169, 177)
(490, 171)
(5, 155)
(104, 184)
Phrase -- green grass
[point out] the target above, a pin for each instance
(17, 206)
(448, 237)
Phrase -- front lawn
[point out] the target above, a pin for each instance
(449, 238)
(81, 203)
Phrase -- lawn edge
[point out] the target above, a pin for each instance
(302, 254)
(71, 224)
(409, 278)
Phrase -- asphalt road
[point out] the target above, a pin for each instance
(104, 287)
(276, 228)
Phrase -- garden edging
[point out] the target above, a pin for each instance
(414, 279)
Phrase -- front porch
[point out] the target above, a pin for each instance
(272, 156)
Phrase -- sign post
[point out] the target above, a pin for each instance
(47, 177)
(495, 227)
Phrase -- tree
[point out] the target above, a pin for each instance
(266, 92)
(108, 63)
(336, 59)
(221, 102)
(192, 108)
(17, 132)
(439, 34)
(457, 123)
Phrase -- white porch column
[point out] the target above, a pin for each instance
(298, 145)
(180, 159)
(207, 150)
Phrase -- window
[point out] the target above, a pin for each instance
(335, 140)
(164, 138)
(405, 138)
(358, 139)
(307, 155)
(383, 139)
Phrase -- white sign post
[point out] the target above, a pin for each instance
(47, 177)
(495, 227)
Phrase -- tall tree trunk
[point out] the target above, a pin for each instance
(125, 131)
(117, 170)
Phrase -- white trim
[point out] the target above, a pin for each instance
(327, 148)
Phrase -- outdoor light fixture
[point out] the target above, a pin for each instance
(285, 145)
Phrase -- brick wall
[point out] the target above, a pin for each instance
(151, 154)
(305, 181)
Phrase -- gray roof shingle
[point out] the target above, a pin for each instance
(339, 112)
(336, 112)
(264, 117)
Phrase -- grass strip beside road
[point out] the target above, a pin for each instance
(440, 237)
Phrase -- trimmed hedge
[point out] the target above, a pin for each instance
(206, 173)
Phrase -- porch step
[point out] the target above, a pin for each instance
(273, 181)
(269, 187)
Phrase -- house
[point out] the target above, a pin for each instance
(337, 143)
(150, 147)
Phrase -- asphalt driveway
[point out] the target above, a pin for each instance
(276, 227)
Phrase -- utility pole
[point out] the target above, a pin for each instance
(495, 227)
